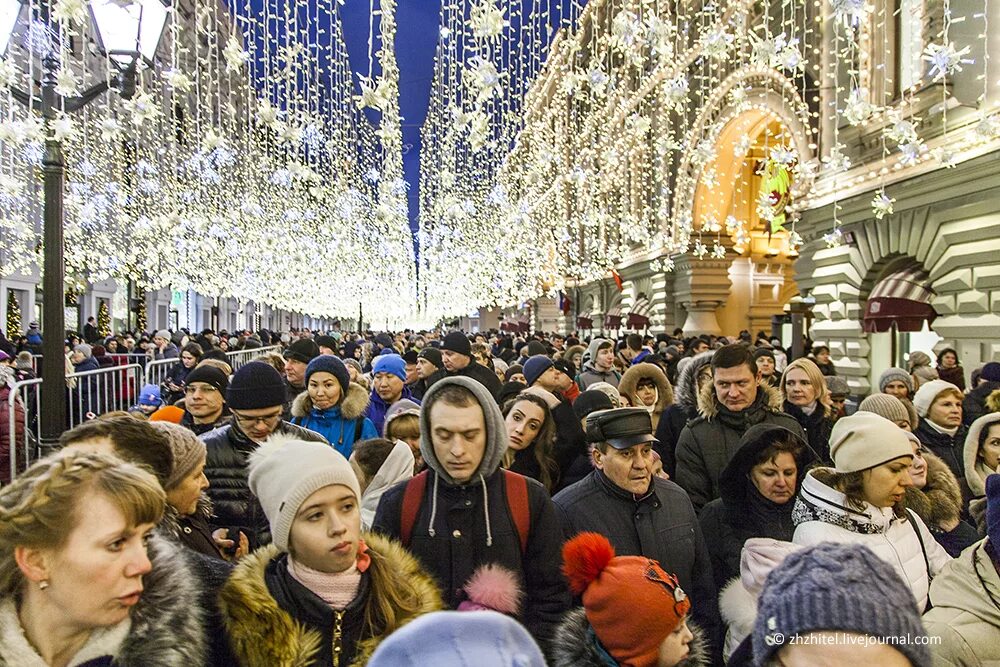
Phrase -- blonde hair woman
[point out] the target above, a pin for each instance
(807, 399)
(82, 580)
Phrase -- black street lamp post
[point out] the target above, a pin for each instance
(125, 38)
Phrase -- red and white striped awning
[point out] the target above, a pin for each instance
(903, 299)
(638, 315)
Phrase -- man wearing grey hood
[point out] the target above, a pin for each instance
(465, 519)
(599, 365)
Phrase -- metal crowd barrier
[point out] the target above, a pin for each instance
(238, 358)
(89, 394)
(157, 371)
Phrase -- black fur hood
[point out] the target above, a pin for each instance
(572, 646)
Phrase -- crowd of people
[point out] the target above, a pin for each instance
(436, 498)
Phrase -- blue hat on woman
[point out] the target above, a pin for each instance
(327, 363)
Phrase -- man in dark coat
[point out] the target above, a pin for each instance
(430, 368)
(456, 355)
(732, 403)
(90, 334)
(255, 397)
(464, 520)
(297, 358)
(974, 404)
(641, 515)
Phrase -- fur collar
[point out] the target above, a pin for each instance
(940, 501)
(165, 629)
(643, 371)
(572, 647)
(170, 524)
(250, 612)
(708, 406)
(686, 387)
(353, 406)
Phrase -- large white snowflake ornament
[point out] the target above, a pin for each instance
(882, 204)
(945, 60)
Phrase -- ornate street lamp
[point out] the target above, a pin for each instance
(127, 31)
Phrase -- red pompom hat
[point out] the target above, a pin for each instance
(631, 603)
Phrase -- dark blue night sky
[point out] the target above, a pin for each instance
(417, 30)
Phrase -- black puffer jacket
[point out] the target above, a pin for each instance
(684, 408)
(974, 404)
(948, 448)
(818, 427)
(226, 470)
(741, 512)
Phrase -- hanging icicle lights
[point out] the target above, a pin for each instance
(241, 167)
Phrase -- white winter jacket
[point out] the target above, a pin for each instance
(822, 514)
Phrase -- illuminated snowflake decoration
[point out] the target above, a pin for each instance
(882, 204)
(945, 60)
(858, 109)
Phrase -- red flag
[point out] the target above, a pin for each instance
(618, 279)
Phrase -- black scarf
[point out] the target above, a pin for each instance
(753, 414)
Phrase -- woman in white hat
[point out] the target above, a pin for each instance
(860, 500)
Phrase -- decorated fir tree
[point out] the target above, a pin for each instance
(103, 320)
(13, 316)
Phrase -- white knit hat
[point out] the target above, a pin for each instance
(285, 471)
(866, 440)
(928, 392)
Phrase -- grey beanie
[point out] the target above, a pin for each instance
(188, 450)
(162, 333)
(84, 349)
(893, 374)
(496, 429)
(838, 588)
(888, 406)
(285, 471)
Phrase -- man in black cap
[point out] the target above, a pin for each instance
(430, 369)
(297, 358)
(205, 399)
(456, 355)
(327, 344)
(255, 396)
(641, 515)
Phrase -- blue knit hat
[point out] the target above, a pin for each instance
(535, 366)
(389, 363)
(256, 385)
(837, 588)
(327, 363)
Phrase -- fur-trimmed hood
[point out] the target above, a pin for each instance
(351, 407)
(167, 627)
(251, 613)
(643, 371)
(572, 645)
(686, 389)
(708, 405)
(975, 471)
(940, 501)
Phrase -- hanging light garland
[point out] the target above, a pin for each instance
(237, 169)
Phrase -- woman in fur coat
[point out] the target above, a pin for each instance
(323, 593)
(92, 588)
(333, 406)
(634, 614)
(937, 499)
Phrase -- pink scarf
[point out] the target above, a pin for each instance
(337, 589)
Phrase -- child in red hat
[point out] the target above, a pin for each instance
(634, 614)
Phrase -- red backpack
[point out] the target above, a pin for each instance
(515, 486)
